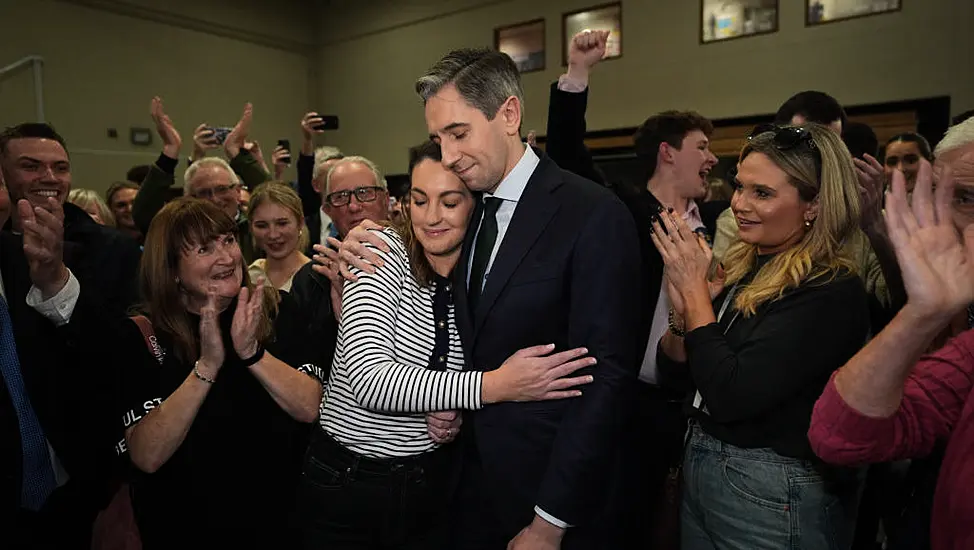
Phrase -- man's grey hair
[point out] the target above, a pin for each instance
(957, 136)
(484, 78)
(380, 180)
(203, 163)
(322, 156)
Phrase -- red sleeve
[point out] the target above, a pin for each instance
(933, 399)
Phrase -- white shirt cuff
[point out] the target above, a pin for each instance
(550, 518)
(569, 84)
(58, 308)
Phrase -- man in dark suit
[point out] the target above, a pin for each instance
(55, 410)
(549, 257)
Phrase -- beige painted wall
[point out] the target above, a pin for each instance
(373, 51)
(104, 60)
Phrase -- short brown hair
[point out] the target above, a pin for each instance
(181, 224)
(666, 127)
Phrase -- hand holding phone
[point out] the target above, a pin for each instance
(282, 154)
(328, 122)
(220, 134)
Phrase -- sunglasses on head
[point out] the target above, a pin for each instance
(785, 137)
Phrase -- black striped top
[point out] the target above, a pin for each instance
(381, 385)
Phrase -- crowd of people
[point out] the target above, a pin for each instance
(517, 353)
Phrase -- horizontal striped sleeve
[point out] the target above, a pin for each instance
(370, 327)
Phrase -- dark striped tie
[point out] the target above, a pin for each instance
(38, 474)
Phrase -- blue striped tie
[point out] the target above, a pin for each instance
(38, 475)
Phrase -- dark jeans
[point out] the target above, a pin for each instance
(353, 502)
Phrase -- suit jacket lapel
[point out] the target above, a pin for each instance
(534, 210)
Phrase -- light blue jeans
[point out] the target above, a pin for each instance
(755, 499)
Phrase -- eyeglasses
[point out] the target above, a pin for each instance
(362, 194)
(210, 192)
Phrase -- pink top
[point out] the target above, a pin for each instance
(935, 406)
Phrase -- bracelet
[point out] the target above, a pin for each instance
(196, 371)
(676, 330)
(255, 358)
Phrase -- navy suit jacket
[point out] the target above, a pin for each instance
(566, 273)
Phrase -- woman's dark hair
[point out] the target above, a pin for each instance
(180, 225)
(418, 264)
(428, 150)
(911, 137)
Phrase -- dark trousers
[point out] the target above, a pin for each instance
(654, 442)
(479, 522)
(475, 524)
(63, 523)
(353, 502)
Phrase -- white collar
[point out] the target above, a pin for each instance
(512, 186)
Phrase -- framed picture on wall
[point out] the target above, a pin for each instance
(729, 19)
(818, 12)
(607, 17)
(524, 42)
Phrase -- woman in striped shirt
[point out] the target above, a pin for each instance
(375, 475)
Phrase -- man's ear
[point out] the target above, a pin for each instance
(510, 112)
(666, 153)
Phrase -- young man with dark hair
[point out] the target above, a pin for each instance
(812, 106)
(57, 458)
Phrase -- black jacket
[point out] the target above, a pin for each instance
(69, 390)
(566, 273)
(311, 305)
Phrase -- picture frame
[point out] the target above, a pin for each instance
(140, 136)
(604, 17)
(722, 20)
(818, 12)
(524, 42)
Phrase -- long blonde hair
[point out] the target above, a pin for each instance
(282, 194)
(819, 255)
(181, 224)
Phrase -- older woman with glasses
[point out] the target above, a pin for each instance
(756, 342)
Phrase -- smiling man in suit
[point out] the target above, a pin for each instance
(549, 257)
(56, 411)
